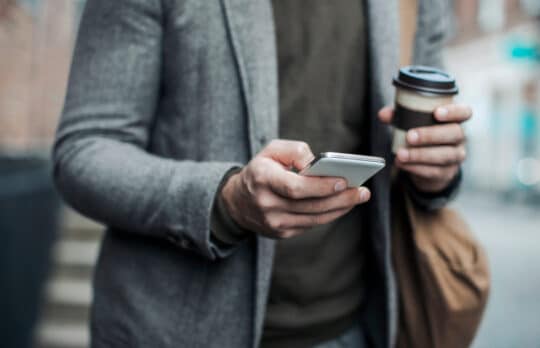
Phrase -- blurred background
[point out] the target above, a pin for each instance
(47, 251)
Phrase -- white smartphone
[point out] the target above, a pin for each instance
(356, 169)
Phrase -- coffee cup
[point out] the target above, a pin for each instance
(419, 91)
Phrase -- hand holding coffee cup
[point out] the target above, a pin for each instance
(428, 138)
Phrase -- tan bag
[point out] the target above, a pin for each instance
(442, 275)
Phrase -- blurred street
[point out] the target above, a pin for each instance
(510, 232)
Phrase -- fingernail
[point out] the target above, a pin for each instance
(403, 155)
(413, 137)
(340, 186)
(364, 194)
(442, 113)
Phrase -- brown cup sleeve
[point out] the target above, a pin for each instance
(406, 119)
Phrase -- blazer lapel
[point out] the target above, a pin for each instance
(383, 23)
(252, 35)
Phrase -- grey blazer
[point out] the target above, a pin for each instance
(165, 97)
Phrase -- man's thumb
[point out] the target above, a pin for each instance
(291, 154)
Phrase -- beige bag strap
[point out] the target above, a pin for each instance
(408, 15)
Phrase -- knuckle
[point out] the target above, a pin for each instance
(257, 173)
(247, 181)
(292, 189)
(439, 173)
(264, 201)
(259, 178)
(303, 147)
(414, 155)
(432, 173)
(448, 156)
(286, 234)
(315, 220)
(273, 223)
(317, 206)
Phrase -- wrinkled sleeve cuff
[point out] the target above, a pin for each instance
(226, 233)
(432, 200)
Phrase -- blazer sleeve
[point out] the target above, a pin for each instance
(101, 166)
(432, 200)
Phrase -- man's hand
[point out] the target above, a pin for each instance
(267, 198)
(433, 154)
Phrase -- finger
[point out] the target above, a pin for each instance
(432, 155)
(312, 220)
(453, 113)
(445, 173)
(447, 134)
(284, 222)
(291, 154)
(294, 186)
(290, 233)
(386, 114)
(343, 200)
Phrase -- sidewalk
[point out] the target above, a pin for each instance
(510, 232)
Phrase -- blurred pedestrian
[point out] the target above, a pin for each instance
(529, 120)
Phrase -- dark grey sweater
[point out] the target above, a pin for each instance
(317, 286)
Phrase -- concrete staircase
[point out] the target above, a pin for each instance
(64, 321)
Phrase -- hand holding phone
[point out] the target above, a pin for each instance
(266, 197)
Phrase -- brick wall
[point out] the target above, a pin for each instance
(35, 53)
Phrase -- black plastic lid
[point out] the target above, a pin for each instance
(426, 79)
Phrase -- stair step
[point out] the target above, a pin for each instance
(78, 227)
(73, 272)
(74, 220)
(76, 252)
(82, 234)
(60, 334)
(65, 312)
(65, 315)
(69, 291)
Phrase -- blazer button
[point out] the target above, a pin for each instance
(172, 238)
(185, 243)
(262, 140)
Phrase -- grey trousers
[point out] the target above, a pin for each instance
(353, 338)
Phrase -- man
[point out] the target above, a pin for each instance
(170, 134)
